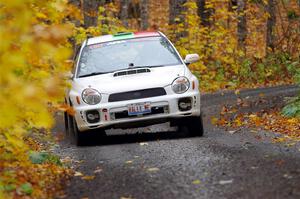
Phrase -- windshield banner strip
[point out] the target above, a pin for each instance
(120, 37)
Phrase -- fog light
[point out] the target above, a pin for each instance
(93, 116)
(185, 104)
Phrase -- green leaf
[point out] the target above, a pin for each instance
(26, 188)
(292, 109)
(38, 157)
(44, 157)
(7, 187)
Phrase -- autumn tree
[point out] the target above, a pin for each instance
(33, 58)
(175, 11)
(271, 21)
(124, 12)
(144, 14)
(90, 11)
(242, 26)
(203, 12)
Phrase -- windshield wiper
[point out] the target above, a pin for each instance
(132, 67)
(92, 74)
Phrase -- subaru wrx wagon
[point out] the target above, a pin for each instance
(132, 80)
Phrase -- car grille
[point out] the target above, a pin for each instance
(154, 111)
(138, 94)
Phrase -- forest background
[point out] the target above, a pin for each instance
(241, 43)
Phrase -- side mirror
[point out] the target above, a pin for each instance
(191, 58)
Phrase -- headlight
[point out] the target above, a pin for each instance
(180, 85)
(91, 96)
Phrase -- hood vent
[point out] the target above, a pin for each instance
(132, 72)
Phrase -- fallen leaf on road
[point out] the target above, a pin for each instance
(258, 137)
(126, 197)
(214, 120)
(88, 177)
(154, 169)
(77, 173)
(287, 176)
(196, 182)
(253, 131)
(62, 196)
(279, 162)
(232, 132)
(143, 143)
(79, 161)
(66, 160)
(223, 182)
(129, 162)
(98, 170)
(290, 144)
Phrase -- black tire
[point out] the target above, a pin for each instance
(84, 138)
(70, 125)
(78, 138)
(66, 123)
(195, 126)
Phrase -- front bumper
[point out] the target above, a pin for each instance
(113, 114)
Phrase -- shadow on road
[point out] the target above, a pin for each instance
(98, 139)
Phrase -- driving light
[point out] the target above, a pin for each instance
(92, 116)
(91, 96)
(185, 104)
(180, 85)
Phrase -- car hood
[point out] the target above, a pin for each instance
(107, 83)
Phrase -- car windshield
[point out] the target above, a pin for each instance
(117, 55)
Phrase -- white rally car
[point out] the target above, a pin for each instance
(131, 80)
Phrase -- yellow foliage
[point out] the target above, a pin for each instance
(107, 24)
(32, 59)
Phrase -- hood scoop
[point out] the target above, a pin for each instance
(132, 72)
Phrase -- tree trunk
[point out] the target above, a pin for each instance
(75, 3)
(176, 8)
(144, 9)
(242, 24)
(203, 12)
(90, 11)
(270, 36)
(124, 12)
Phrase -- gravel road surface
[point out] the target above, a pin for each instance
(160, 162)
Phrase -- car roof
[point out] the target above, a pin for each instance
(121, 36)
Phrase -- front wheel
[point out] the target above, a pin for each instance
(195, 126)
(66, 123)
(78, 138)
(85, 138)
